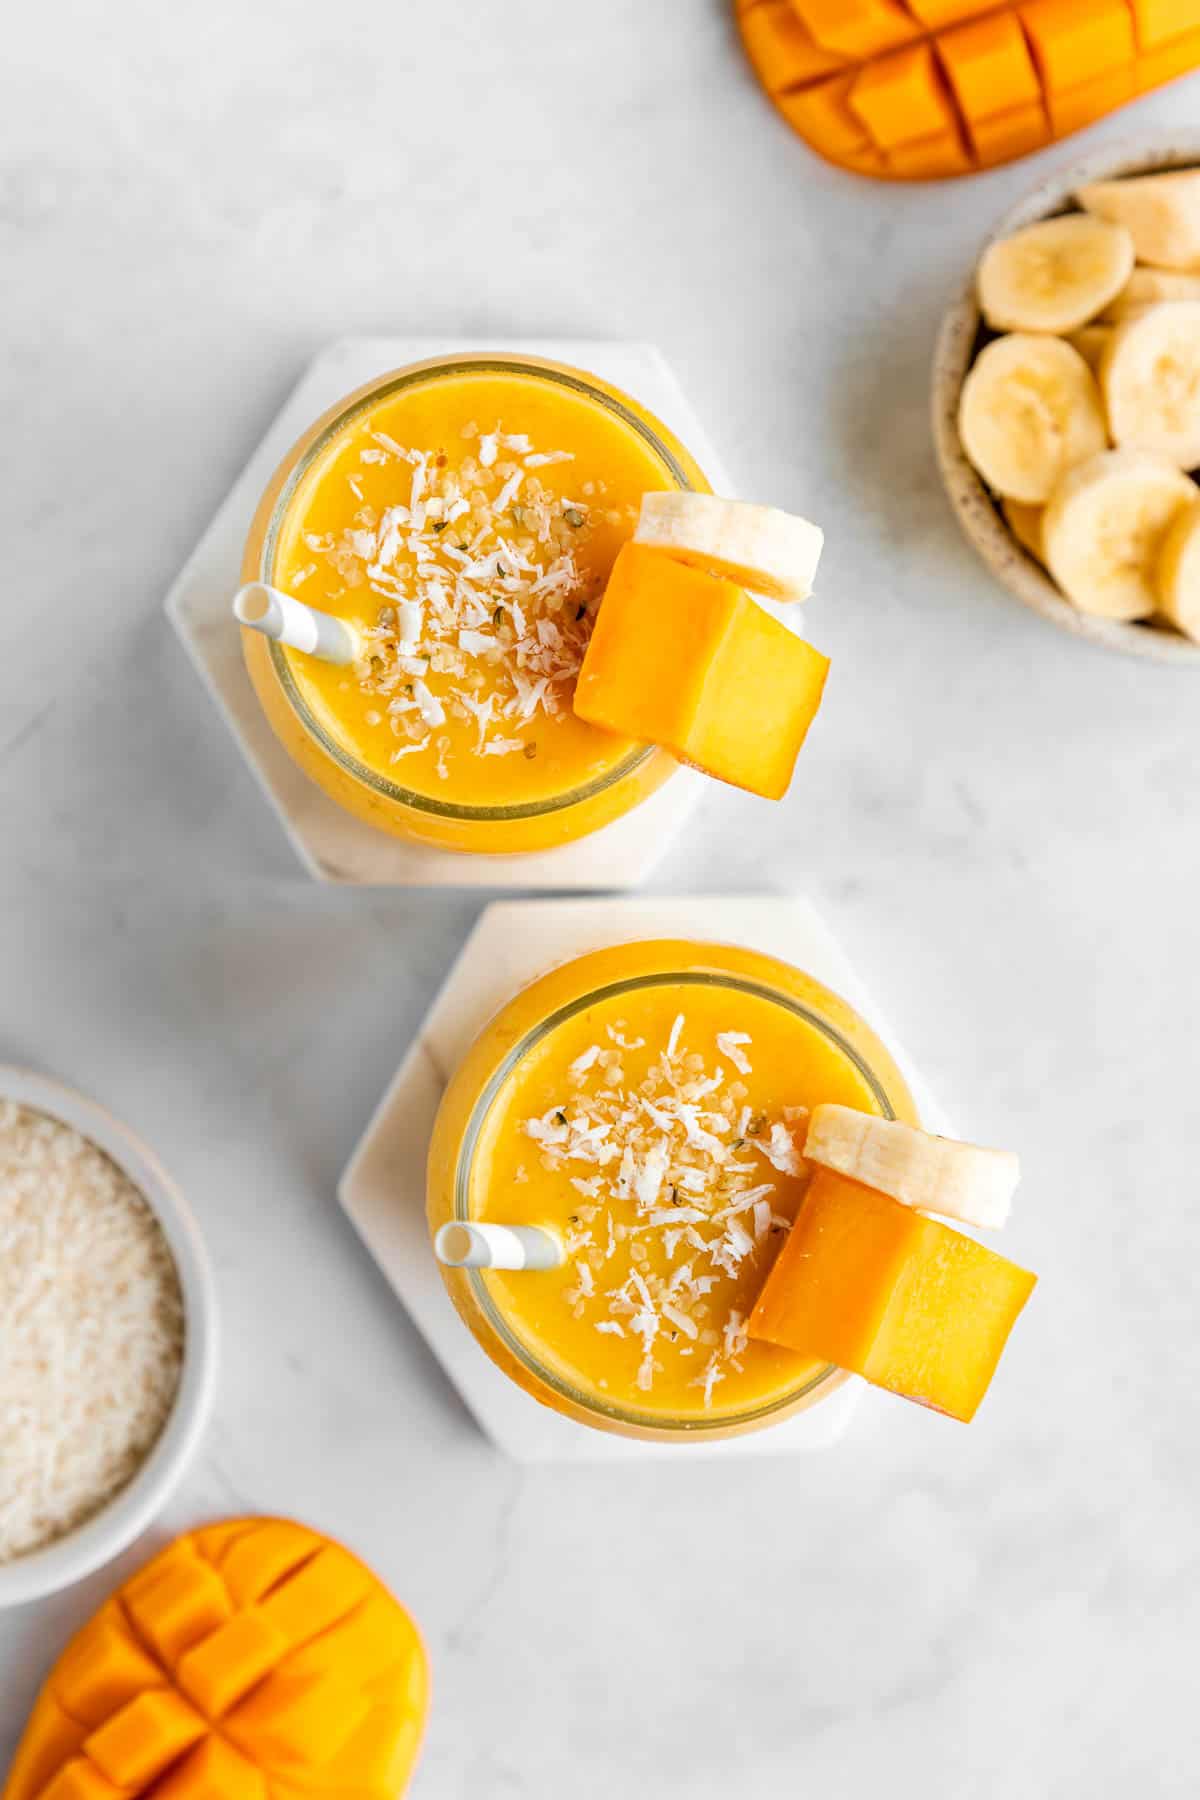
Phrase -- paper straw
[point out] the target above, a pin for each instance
(462, 1246)
(290, 622)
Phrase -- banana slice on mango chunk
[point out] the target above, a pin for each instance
(683, 658)
(868, 1280)
(934, 1174)
(687, 653)
(870, 1285)
(253, 1660)
(768, 551)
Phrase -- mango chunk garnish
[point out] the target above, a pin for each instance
(687, 660)
(869, 1285)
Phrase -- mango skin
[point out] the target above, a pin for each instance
(251, 1660)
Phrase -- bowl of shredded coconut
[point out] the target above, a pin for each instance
(107, 1336)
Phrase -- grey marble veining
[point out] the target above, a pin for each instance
(1000, 823)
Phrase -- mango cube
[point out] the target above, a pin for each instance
(901, 98)
(81, 1780)
(687, 660)
(213, 1771)
(144, 1738)
(869, 1285)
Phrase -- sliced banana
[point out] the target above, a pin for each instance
(1147, 287)
(933, 1174)
(1160, 212)
(1179, 572)
(1054, 276)
(1104, 530)
(1030, 409)
(1091, 341)
(772, 553)
(1150, 376)
(1025, 523)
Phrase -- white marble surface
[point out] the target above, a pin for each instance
(1000, 823)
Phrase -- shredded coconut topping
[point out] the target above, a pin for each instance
(679, 1156)
(479, 585)
(91, 1330)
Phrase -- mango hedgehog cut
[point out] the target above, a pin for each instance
(253, 1660)
(921, 89)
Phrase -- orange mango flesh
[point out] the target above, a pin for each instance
(252, 1660)
(610, 461)
(892, 1295)
(687, 660)
(920, 89)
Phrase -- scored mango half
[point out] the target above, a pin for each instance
(253, 1660)
(919, 89)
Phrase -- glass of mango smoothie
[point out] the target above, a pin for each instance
(646, 1105)
(461, 516)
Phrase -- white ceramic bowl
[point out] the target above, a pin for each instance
(958, 344)
(130, 1511)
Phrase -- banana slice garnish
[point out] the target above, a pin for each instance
(770, 552)
(1150, 378)
(1147, 287)
(1030, 410)
(933, 1174)
(1054, 276)
(1161, 213)
(1105, 527)
(1179, 572)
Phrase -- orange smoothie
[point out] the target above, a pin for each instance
(463, 517)
(648, 1105)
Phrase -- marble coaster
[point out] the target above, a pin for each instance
(332, 845)
(383, 1188)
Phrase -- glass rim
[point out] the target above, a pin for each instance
(464, 1166)
(414, 375)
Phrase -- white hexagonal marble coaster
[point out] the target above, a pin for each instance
(332, 845)
(383, 1188)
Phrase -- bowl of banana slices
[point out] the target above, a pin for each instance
(1066, 401)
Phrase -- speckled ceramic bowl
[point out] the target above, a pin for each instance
(959, 341)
